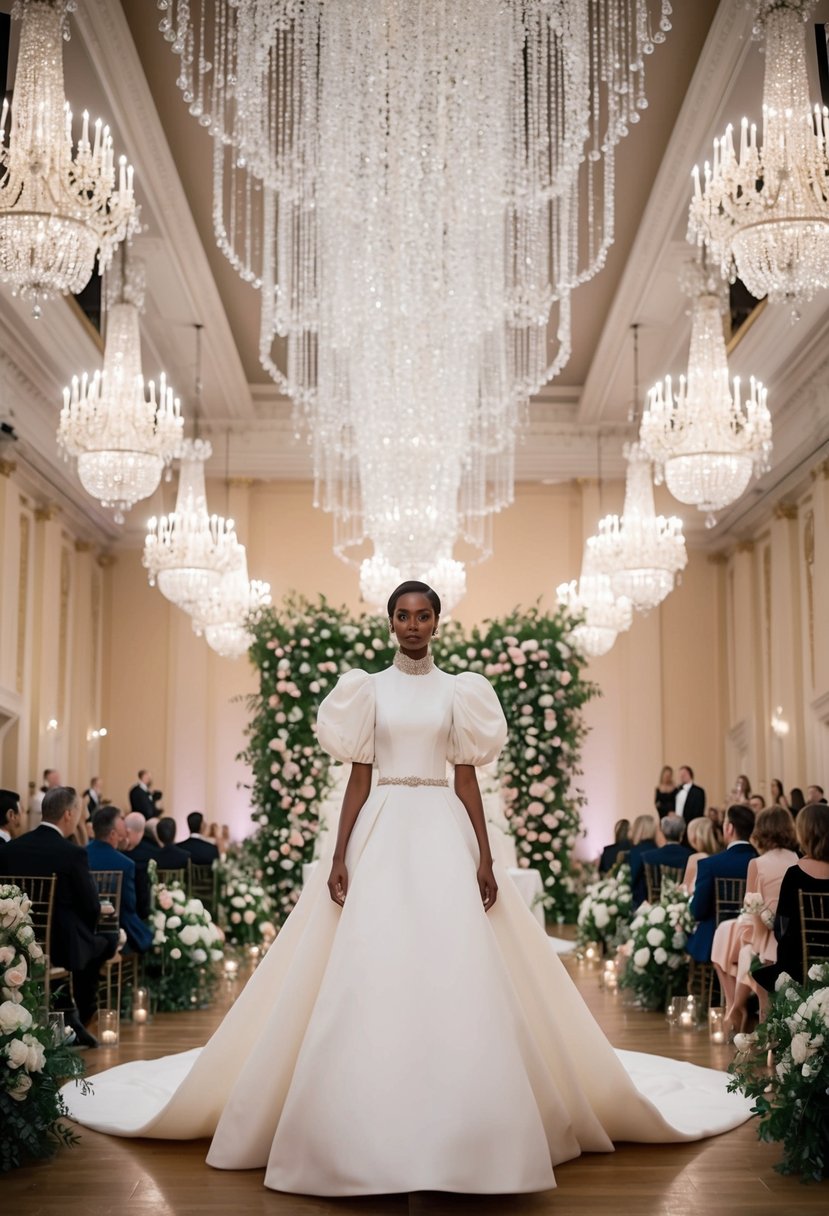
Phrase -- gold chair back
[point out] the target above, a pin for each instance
(653, 881)
(674, 874)
(175, 878)
(729, 895)
(109, 884)
(204, 885)
(41, 891)
(814, 927)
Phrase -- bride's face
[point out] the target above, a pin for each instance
(414, 622)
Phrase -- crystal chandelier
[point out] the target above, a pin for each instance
(765, 214)
(642, 552)
(700, 434)
(224, 618)
(379, 577)
(188, 551)
(57, 212)
(121, 437)
(603, 615)
(416, 225)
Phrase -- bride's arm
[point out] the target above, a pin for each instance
(356, 792)
(466, 787)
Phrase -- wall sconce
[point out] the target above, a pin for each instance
(779, 724)
(100, 732)
(52, 724)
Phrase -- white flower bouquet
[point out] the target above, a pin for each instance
(186, 945)
(32, 1065)
(604, 912)
(793, 1100)
(755, 905)
(656, 965)
(247, 907)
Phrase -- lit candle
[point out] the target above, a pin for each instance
(231, 966)
(686, 1018)
(109, 1036)
(140, 1016)
(716, 1024)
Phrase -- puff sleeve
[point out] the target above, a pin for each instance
(479, 728)
(345, 719)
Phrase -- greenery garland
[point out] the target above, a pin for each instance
(33, 1066)
(303, 648)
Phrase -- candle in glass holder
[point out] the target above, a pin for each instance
(609, 976)
(674, 1010)
(141, 1006)
(716, 1025)
(592, 952)
(231, 968)
(108, 1027)
(688, 1015)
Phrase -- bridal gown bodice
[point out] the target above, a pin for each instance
(410, 1040)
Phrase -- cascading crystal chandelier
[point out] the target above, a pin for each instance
(378, 578)
(225, 617)
(416, 224)
(701, 435)
(187, 552)
(604, 615)
(642, 552)
(121, 437)
(765, 214)
(58, 212)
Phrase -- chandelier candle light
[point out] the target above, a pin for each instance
(188, 551)
(604, 615)
(58, 211)
(121, 437)
(703, 437)
(225, 617)
(642, 552)
(765, 213)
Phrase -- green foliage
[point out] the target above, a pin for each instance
(33, 1067)
(302, 649)
(792, 1097)
(657, 965)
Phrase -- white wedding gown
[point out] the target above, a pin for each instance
(409, 1041)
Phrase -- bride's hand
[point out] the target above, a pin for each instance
(487, 885)
(338, 882)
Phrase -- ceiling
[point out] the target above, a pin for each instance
(707, 73)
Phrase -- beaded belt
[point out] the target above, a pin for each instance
(413, 781)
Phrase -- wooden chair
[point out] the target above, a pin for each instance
(619, 863)
(729, 894)
(814, 927)
(41, 892)
(109, 883)
(204, 885)
(701, 982)
(175, 878)
(672, 874)
(653, 881)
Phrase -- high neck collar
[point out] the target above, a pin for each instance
(414, 667)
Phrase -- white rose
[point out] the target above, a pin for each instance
(37, 1056)
(7, 955)
(17, 1053)
(801, 1047)
(660, 956)
(238, 901)
(641, 958)
(190, 935)
(249, 916)
(195, 907)
(199, 956)
(655, 937)
(175, 952)
(782, 980)
(678, 940)
(174, 922)
(657, 915)
(601, 916)
(14, 1017)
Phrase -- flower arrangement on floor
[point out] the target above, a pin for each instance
(656, 965)
(246, 906)
(605, 911)
(792, 1098)
(32, 1066)
(302, 648)
(186, 944)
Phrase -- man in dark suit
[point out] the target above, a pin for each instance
(141, 798)
(108, 832)
(140, 850)
(169, 856)
(732, 863)
(690, 798)
(75, 944)
(672, 852)
(93, 796)
(11, 817)
(203, 852)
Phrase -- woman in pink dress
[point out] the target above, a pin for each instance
(750, 935)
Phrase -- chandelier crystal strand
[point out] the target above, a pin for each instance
(121, 433)
(187, 552)
(701, 435)
(415, 224)
(59, 210)
(764, 213)
(603, 615)
(642, 552)
(226, 616)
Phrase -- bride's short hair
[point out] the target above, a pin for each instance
(414, 586)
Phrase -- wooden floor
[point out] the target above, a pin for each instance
(105, 1176)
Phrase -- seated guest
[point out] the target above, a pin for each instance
(11, 816)
(643, 839)
(109, 831)
(796, 800)
(738, 942)
(811, 873)
(203, 852)
(140, 850)
(757, 803)
(703, 837)
(673, 852)
(731, 863)
(169, 856)
(621, 844)
(778, 794)
(75, 944)
(715, 815)
(814, 795)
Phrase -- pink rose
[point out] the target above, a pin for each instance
(296, 839)
(538, 789)
(535, 808)
(6, 955)
(165, 900)
(15, 977)
(564, 678)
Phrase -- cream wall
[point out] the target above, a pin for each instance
(169, 702)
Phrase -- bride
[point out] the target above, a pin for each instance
(410, 1029)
